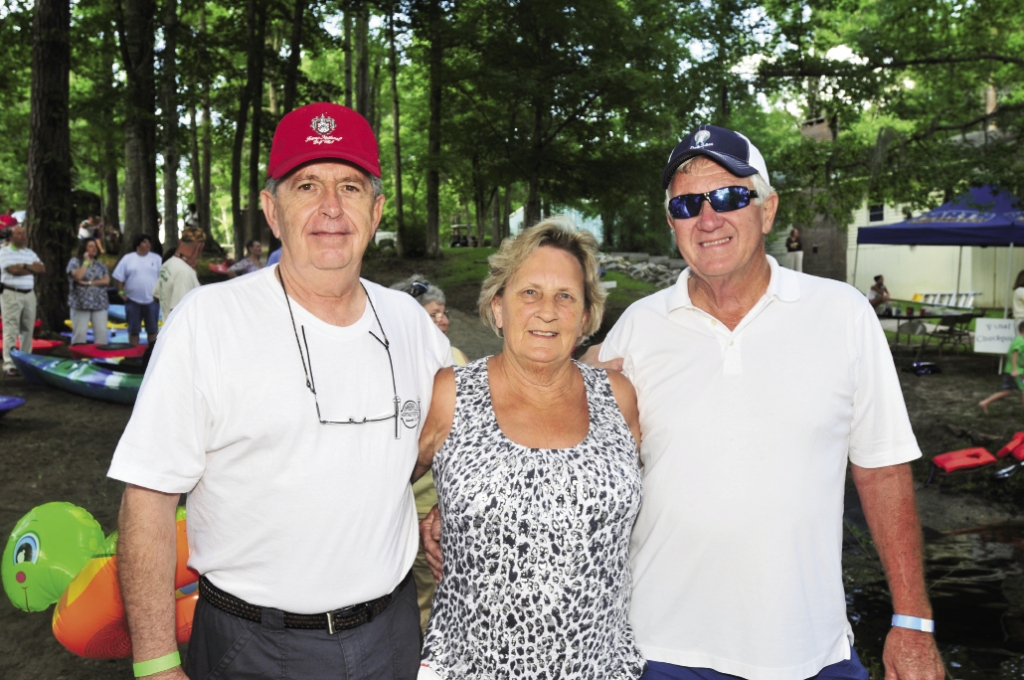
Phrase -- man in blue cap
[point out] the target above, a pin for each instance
(756, 384)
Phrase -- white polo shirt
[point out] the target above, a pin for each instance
(284, 511)
(736, 553)
(10, 256)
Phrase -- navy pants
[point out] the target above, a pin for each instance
(851, 669)
(227, 647)
(135, 313)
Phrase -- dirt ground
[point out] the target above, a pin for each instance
(58, 447)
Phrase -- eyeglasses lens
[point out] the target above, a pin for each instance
(725, 199)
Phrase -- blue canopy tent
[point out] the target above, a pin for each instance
(983, 217)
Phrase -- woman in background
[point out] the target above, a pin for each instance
(795, 251)
(87, 294)
(249, 264)
(433, 301)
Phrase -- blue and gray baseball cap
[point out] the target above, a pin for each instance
(731, 150)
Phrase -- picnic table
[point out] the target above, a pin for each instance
(951, 327)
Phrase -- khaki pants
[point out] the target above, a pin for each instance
(19, 313)
(80, 319)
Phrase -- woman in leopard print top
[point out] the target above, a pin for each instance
(536, 465)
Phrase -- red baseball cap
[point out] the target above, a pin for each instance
(322, 132)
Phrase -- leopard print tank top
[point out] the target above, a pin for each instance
(536, 546)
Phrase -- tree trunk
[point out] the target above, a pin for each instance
(111, 212)
(194, 162)
(291, 73)
(506, 214)
(393, 67)
(171, 159)
(49, 218)
(531, 215)
(363, 61)
(272, 104)
(258, 46)
(495, 218)
(207, 151)
(238, 225)
(436, 61)
(375, 89)
(140, 121)
(346, 47)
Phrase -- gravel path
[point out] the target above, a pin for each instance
(468, 333)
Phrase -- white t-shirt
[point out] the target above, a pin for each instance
(9, 256)
(176, 279)
(1018, 303)
(736, 553)
(139, 275)
(284, 511)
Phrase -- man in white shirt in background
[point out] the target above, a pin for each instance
(301, 518)
(178, 274)
(18, 268)
(756, 385)
(136, 276)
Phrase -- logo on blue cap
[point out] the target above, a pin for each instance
(700, 138)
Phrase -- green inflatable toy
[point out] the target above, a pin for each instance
(46, 550)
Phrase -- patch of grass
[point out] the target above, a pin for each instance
(627, 290)
(463, 266)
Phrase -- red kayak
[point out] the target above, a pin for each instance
(965, 459)
(93, 351)
(40, 346)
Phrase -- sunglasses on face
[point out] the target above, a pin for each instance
(722, 200)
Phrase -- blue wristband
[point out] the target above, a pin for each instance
(913, 622)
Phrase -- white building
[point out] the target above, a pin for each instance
(591, 224)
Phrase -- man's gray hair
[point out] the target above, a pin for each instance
(421, 289)
(376, 182)
(761, 186)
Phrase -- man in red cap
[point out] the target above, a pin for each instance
(289, 404)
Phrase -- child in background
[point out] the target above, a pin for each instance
(1011, 376)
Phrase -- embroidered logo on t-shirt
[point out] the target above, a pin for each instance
(411, 413)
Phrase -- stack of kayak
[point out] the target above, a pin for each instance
(109, 351)
(86, 378)
(40, 346)
(8, 404)
(113, 336)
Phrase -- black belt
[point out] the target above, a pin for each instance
(17, 290)
(340, 619)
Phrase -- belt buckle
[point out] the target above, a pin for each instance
(348, 612)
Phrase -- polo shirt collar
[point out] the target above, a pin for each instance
(783, 285)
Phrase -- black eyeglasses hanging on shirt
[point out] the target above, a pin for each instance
(311, 382)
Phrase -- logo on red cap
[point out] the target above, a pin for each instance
(323, 125)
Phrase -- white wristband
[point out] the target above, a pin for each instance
(913, 622)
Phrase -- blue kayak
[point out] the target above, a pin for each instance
(80, 377)
(8, 404)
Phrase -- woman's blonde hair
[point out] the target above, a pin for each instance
(556, 232)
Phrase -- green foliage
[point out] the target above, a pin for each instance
(578, 104)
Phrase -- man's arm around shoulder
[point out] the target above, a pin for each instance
(146, 563)
(887, 497)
